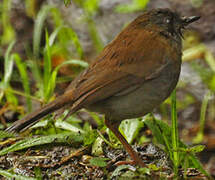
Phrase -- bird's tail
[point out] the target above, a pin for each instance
(35, 116)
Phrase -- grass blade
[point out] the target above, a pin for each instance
(36, 141)
(47, 69)
(200, 134)
(25, 80)
(174, 132)
(8, 65)
(38, 29)
(9, 175)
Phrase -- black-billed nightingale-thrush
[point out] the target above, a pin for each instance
(133, 74)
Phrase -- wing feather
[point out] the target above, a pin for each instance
(124, 63)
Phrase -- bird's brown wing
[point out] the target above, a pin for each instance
(125, 63)
(121, 65)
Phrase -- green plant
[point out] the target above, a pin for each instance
(5, 83)
(8, 34)
(136, 5)
(90, 7)
(175, 155)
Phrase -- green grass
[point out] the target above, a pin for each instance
(174, 121)
(8, 70)
(200, 135)
(135, 5)
(25, 80)
(10, 175)
(8, 34)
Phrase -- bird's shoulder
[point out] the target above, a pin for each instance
(139, 53)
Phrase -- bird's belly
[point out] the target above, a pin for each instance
(140, 101)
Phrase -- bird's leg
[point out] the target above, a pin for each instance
(133, 154)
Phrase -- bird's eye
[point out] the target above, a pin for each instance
(167, 20)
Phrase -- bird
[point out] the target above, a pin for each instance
(131, 76)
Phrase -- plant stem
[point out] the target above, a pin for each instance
(174, 132)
